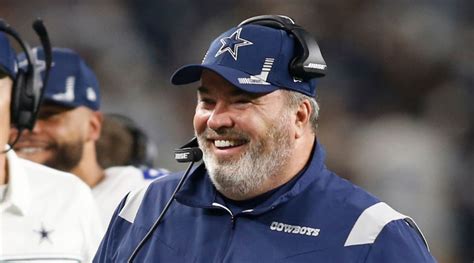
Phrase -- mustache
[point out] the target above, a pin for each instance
(229, 133)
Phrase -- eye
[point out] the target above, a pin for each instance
(45, 115)
(243, 101)
(207, 102)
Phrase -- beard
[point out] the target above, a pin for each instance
(67, 156)
(243, 176)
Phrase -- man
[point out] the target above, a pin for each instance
(45, 215)
(68, 127)
(263, 193)
(136, 148)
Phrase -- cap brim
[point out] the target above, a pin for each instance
(69, 105)
(192, 73)
(5, 71)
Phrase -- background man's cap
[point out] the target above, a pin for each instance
(71, 82)
(253, 58)
(7, 57)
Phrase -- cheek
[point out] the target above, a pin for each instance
(59, 131)
(200, 121)
(252, 124)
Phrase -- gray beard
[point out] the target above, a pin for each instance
(246, 175)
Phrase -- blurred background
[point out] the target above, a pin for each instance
(397, 111)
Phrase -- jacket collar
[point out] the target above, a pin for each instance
(17, 198)
(198, 191)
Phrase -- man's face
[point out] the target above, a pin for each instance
(246, 138)
(5, 99)
(58, 138)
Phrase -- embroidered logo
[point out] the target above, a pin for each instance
(44, 234)
(68, 95)
(292, 229)
(232, 44)
(260, 79)
(91, 95)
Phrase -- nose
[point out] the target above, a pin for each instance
(221, 117)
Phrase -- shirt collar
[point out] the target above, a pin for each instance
(17, 198)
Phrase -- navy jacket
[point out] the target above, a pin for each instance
(320, 218)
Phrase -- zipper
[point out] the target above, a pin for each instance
(226, 209)
(224, 249)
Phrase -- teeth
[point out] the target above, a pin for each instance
(30, 150)
(225, 143)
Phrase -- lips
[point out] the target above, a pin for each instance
(226, 148)
(30, 150)
(228, 143)
(31, 147)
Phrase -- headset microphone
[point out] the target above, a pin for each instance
(40, 30)
(189, 152)
(186, 155)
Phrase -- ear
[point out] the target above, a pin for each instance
(302, 118)
(95, 125)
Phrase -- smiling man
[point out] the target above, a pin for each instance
(263, 193)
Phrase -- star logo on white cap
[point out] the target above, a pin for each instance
(232, 44)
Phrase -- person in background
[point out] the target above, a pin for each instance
(45, 214)
(263, 192)
(68, 127)
(136, 149)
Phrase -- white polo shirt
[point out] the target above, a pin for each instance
(47, 216)
(118, 182)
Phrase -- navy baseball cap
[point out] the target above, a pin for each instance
(7, 57)
(253, 58)
(71, 82)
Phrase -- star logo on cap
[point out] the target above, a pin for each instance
(232, 44)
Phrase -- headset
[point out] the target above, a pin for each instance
(28, 87)
(309, 63)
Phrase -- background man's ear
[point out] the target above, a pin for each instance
(95, 122)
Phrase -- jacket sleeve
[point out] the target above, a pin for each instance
(399, 242)
(109, 242)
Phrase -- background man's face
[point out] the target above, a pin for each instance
(58, 138)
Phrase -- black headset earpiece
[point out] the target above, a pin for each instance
(28, 86)
(309, 63)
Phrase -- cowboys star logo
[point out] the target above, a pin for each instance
(44, 234)
(232, 43)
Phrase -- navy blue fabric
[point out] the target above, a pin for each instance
(194, 230)
(239, 55)
(71, 83)
(7, 56)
